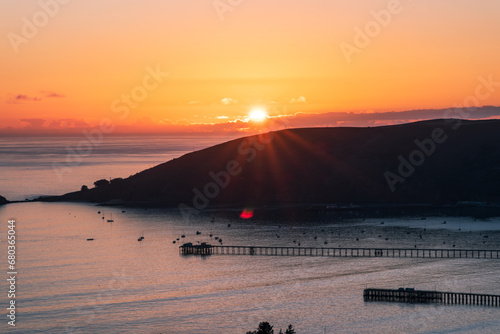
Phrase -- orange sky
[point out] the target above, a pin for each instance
(70, 64)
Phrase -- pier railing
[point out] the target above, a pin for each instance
(207, 249)
(422, 296)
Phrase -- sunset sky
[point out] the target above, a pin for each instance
(67, 65)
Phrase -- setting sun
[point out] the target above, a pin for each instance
(258, 115)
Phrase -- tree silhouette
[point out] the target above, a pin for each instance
(264, 328)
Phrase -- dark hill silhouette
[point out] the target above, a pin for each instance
(325, 165)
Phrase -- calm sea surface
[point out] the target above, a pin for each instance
(115, 284)
(34, 166)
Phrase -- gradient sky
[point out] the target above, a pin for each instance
(282, 56)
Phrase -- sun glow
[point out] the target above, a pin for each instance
(258, 115)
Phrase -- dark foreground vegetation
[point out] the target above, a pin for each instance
(266, 328)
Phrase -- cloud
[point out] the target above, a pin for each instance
(239, 126)
(67, 123)
(222, 117)
(372, 118)
(49, 94)
(34, 122)
(194, 102)
(227, 101)
(20, 98)
(56, 125)
(300, 99)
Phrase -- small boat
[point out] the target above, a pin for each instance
(90, 239)
(142, 237)
(111, 219)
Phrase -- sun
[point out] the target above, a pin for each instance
(258, 115)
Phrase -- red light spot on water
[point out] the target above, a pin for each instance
(246, 214)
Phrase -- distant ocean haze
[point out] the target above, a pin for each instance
(45, 165)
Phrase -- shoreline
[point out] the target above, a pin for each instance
(472, 209)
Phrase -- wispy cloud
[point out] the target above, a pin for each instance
(34, 122)
(68, 123)
(227, 101)
(20, 98)
(300, 99)
(49, 94)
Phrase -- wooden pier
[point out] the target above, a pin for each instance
(422, 296)
(207, 249)
(190, 249)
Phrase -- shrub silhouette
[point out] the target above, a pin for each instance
(101, 183)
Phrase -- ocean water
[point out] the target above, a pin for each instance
(35, 166)
(115, 284)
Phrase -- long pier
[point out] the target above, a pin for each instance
(207, 249)
(422, 296)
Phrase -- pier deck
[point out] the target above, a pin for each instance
(422, 296)
(207, 249)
